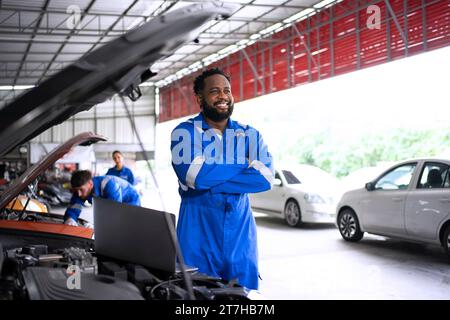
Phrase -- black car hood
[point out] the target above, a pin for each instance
(116, 67)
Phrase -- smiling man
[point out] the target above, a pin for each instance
(217, 162)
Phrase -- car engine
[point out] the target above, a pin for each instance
(37, 272)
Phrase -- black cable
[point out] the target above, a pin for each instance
(173, 235)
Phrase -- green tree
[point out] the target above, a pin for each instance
(340, 157)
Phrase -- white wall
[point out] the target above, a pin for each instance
(110, 119)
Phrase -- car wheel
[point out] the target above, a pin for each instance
(292, 214)
(446, 241)
(349, 226)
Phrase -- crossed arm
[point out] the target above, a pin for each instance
(253, 175)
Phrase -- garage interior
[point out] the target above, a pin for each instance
(268, 47)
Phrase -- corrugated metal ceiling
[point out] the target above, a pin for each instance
(36, 39)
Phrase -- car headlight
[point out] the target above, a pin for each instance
(313, 198)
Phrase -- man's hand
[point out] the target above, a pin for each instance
(71, 222)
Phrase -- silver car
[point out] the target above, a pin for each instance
(410, 201)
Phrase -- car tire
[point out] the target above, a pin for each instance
(292, 214)
(446, 241)
(348, 225)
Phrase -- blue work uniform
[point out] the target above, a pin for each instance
(107, 187)
(124, 173)
(216, 228)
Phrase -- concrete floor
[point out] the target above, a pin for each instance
(314, 262)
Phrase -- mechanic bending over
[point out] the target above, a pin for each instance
(217, 162)
(120, 170)
(84, 187)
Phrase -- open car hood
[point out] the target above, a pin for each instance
(117, 67)
(38, 168)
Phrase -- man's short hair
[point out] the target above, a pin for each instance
(117, 151)
(199, 82)
(80, 178)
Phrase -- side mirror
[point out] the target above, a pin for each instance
(277, 182)
(370, 186)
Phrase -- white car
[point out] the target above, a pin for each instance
(301, 193)
(410, 201)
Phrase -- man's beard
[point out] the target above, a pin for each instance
(213, 114)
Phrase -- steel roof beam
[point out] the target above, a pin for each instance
(85, 32)
(27, 50)
(83, 15)
(47, 41)
(56, 11)
(39, 52)
(15, 10)
(113, 25)
(255, 19)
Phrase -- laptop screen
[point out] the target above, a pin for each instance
(133, 234)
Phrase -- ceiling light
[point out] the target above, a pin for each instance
(9, 88)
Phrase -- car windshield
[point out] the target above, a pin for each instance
(358, 178)
(398, 178)
(308, 175)
(290, 177)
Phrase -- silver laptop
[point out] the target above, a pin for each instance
(133, 234)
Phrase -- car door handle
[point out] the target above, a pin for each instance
(444, 200)
(397, 199)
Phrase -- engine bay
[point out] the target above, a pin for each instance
(73, 271)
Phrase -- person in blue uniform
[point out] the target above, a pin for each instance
(218, 161)
(119, 170)
(84, 187)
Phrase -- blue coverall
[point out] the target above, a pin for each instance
(107, 187)
(216, 227)
(124, 173)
